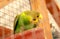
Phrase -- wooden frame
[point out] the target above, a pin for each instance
(40, 6)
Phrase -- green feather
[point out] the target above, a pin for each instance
(23, 22)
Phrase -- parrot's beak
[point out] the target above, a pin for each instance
(35, 21)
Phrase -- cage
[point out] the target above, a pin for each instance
(10, 8)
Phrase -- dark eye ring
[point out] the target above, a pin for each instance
(37, 16)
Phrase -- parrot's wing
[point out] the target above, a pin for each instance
(18, 24)
(15, 21)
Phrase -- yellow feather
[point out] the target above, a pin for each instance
(41, 17)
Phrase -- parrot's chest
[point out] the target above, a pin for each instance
(26, 22)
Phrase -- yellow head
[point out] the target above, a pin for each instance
(34, 16)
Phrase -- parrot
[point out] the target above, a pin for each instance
(26, 20)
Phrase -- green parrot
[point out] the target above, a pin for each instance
(26, 20)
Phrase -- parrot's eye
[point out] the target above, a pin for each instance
(34, 19)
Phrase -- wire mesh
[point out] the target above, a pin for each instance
(8, 13)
